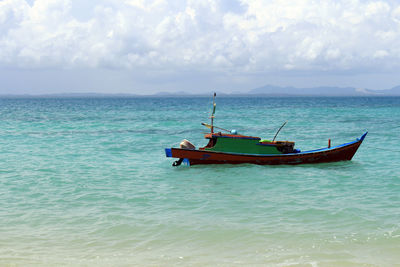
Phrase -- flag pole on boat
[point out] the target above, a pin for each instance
(212, 114)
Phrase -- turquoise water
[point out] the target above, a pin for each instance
(85, 182)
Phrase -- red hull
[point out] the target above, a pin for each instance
(338, 153)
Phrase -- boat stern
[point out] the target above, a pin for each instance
(168, 153)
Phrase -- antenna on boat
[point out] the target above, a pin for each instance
(279, 131)
(212, 114)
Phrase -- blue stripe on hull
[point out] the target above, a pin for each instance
(168, 152)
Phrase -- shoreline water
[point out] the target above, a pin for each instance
(86, 182)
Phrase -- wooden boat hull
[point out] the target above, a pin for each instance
(333, 154)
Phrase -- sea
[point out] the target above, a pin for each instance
(84, 181)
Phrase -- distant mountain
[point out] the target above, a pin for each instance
(322, 91)
(395, 91)
(273, 90)
(268, 90)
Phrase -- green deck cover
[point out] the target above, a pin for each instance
(242, 145)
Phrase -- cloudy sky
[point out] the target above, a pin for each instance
(147, 46)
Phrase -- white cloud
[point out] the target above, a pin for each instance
(381, 54)
(207, 35)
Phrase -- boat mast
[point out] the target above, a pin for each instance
(212, 114)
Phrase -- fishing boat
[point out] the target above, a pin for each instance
(231, 147)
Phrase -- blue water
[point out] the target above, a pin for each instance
(85, 181)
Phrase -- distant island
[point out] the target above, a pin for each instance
(323, 91)
(267, 90)
(273, 90)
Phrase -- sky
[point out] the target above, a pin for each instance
(196, 46)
